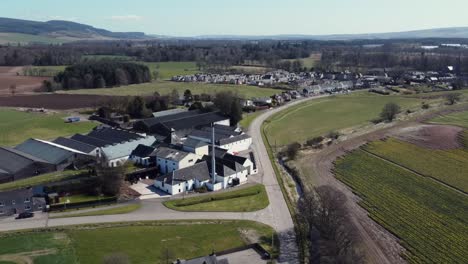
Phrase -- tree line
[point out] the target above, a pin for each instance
(100, 74)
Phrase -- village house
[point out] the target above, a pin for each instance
(184, 180)
(19, 201)
(169, 159)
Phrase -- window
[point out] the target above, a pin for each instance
(39, 207)
(1, 204)
(162, 184)
(27, 208)
(190, 160)
(13, 202)
(179, 190)
(27, 200)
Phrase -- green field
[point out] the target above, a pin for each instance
(142, 242)
(43, 71)
(169, 69)
(244, 200)
(166, 87)
(15, 38)
(41, 179)
(320, 116)
(310, 61)
(80, 198)
(430, 219)
(447, 166)
(456, 119)
(17, 126)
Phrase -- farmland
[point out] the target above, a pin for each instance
(18, 126)
(320, 116)
(91, 243)
(447, 166)
(456, 119)
(15, 38)
(11, 76)
(168, 69)
(429, 218)
(165, 87)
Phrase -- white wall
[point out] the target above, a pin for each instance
(238, 146)
(167, 166)
(226, 122)
(177, 188)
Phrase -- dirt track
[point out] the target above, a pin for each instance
(381, 246)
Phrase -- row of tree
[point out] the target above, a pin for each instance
(99, 74)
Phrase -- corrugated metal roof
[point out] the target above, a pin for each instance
(44, 151)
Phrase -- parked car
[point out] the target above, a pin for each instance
(25, 215)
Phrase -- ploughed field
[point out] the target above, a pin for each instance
(139, 242)
(417, 193)
(24, 84)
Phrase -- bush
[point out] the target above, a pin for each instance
(333, 135)
(314, 141)
(389, 112)
(425, 105)
(453, 98)
(292, 150)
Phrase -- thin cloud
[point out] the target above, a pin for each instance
(126, 18)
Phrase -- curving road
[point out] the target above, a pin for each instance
(276, 214)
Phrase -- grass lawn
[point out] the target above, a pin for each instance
(41, 179)
(166, 87)
(247, 119)
(142, 242)
(320, 116)
(18, 126)
(456, 119)
(80, 198)
(243, 200)
(112, 211)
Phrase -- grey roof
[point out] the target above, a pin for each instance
(220, 131)
(125, 149)
(44, 151)
(169, 112)
(171, 154)
(12, 160)
(198, 171)
(194, 143)
(234, 158)
(201, 260)
(224, 167)
(207, 135)
(233, 139)
(74, 144)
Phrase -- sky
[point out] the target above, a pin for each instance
(246, 17)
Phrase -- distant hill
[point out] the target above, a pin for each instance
(56, 31)
(446, 33)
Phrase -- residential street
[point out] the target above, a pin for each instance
(276, 214)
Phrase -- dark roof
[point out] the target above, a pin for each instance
(224, 167)
(142, 151)
(194, 143)
(42, 150)
(114, 135)
(12, 160)
(179, 122)
(238, 159)
(156, 120)
(74, 144)
(219, 152)
(198, 171)
(91, 141)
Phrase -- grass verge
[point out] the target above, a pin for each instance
(112, 211)
(244, 200)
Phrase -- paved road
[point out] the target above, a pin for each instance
(276, 214)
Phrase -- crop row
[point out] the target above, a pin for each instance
(430, 219)
(447, 166)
